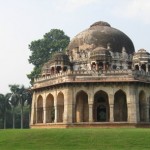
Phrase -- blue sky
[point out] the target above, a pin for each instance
(22, 21)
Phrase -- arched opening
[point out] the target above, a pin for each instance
(136, 67)
(58, 69)
(50, 111)
(40, 109)
(65, 68)
(142, 106)
(100, 66)
(52, 70)
(143, 67)
(148, 68)
(82, 108)
(107, 66)
(101, 107)
(60, 107)
(120, 106)
(93, 66)
(114, 67)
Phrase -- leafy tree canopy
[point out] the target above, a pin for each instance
(42, 49)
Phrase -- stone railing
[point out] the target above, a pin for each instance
(93, 76)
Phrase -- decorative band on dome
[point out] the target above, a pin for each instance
(100, 23)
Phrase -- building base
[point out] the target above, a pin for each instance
(92, 125)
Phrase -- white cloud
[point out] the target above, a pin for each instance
(137, 9)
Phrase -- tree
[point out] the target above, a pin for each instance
(4, 106)
(42, 49)
(14, 99)
(22, 98)
(29, 94)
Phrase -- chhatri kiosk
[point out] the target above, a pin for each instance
(99, 81)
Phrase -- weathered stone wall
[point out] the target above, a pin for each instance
(70, 92)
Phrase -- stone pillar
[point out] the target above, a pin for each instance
(111, 112)
(33, 110)
(96, 66)
(104, 66)
(44, 109)
(68, 113)
(55, 107)
(146, 67)
(133, 105)
(90, 112)
(74, 113)
(147, 110)
(90, 102)
(139, 67)
(44, 113)
(111, 107)
(36, 114)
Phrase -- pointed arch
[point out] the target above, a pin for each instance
(120, 106)
(40, 109)
(101, 107)
(50, 111)
(82, 107)
(142, 106)
(136, 67)
(60, 107)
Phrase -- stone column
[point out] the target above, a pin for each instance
(68, 112)
(146, 67)
(96, 66)
(36, 114)
(56, 115)
(90, 112)
(111, 107)
(44, 110)
(147, 110)
(55, 107)
(44, 113)
(111, 112)
(133, 105)
(104, 65)
(90, 102)
(33, 110)
(139, 67)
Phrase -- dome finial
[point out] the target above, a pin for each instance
(100, 23)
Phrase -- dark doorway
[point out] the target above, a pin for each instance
(101, 107)
(101, 113)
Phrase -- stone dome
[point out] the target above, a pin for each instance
(101, 34)
(60, 56)
(141, 55)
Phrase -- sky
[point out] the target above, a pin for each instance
(23, 21)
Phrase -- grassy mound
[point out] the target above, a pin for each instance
(75, 139)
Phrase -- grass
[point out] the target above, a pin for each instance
(75, 139)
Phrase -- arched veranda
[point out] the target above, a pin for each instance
(40, 109)
(142, 106)
(50, 111)
(60, 107)
(82, 108)
(120, 106)
(101, 107)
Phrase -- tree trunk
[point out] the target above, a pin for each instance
(13, 111)
(5, 119)
(29, 114)
(21, 116)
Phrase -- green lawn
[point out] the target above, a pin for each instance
(75, 139)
